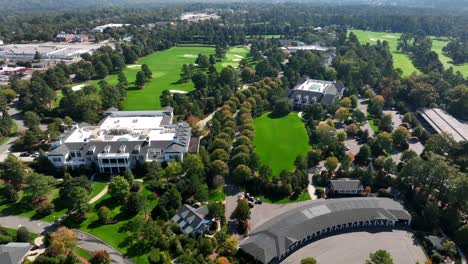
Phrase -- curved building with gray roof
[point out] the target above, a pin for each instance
(282, 235)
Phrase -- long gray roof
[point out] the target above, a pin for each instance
(442, 122)
(273, 238)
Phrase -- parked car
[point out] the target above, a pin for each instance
(25, 154)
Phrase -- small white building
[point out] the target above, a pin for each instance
(101, 29)
(122, 140)
(316, 91)
(346, 186)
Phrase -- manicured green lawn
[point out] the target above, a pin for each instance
(97, 188)
(82, 253)
(233, 56)
(115, 234)
(303, 197)
(166, 67)
(437, 45)
(13, 232)
(400, 60)
(217, 195)
(373, 125)
(279, 141)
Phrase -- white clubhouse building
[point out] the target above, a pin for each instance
(121, 140)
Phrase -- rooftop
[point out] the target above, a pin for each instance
(346, 184)
(127, 126)
(314, 86)
(443, 122)
(13, 253)
(273, 238)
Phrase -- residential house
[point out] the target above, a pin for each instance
(192, 221)
(14, 253)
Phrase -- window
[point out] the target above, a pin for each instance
(57, 160)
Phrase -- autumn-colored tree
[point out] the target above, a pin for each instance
(61, 241)
(100, 257)
(222, 260)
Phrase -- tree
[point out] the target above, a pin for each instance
(23, 235)
(119, 188)
(31, 120)
(248, 75)
(380, 257)
(135, 204)
(105, 215)
(78, 200)
(37, 56)
(147, 71)
(186, 72)
(10, 194)
(364, 155)
(242, 213)
(159, 257)
(241, 173)
(384, 141)
(100, 257)
(202, 61)
(140, 79)
(219, 167)
(200, 80)
(61, 241)
(38, 185)
(331, 163)
(308, 261)
(400, 136)
(101, 70)
(450, 248)
(14, 171)
(282, 107)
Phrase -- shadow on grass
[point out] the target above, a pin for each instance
(277, 116)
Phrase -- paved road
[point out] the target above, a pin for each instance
(362, 106)
(354, 248)
(202, 123)
(85, 240)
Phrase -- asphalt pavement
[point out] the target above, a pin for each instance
(85, 240)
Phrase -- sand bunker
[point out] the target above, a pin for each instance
(78, 87)
(237, 59)
(133, 66)
(178, 91)
(191, 56)
(389, 36)
(238, 56)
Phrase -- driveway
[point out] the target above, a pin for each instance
(354, 248)
(396, 118)
(85, 240)
(231, 202)
(362, 106)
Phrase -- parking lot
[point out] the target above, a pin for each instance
(354, 248)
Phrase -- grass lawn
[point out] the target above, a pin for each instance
(217, 195)
(303, 197)
(400, 60)
(166, 67)
(97, 188)
(116, 234)
(373, 125)
(279, 141)
(233, 56)
(13, 232)
(82, 253)
(437, 45)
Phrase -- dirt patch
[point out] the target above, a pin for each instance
(78, 87)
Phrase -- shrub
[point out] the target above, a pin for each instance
(22, 235)
(104, 214)
(45, 208)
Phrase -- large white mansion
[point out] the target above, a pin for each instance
(121, 140)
